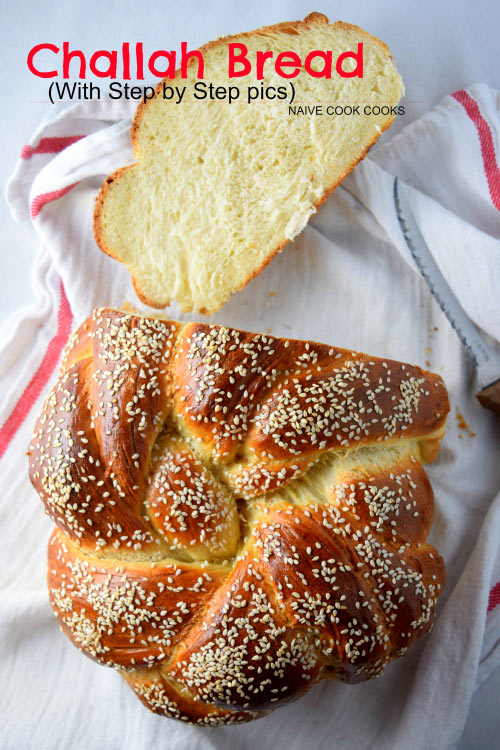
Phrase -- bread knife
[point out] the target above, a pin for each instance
(485, 358)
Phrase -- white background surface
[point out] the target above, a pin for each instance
(439, 47)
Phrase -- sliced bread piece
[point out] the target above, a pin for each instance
(219, 188)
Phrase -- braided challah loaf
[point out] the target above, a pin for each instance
(238, 516)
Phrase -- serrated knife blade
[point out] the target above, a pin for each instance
(485, 358)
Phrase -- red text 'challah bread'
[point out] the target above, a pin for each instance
(238, 516)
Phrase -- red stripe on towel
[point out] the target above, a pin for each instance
(41, 376)
(486, 141)
(41, 200)
(494, 599)
(492, 172)
(50, 145)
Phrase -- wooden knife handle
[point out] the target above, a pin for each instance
(490, 397)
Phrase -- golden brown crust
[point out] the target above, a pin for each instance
(163, 696)
(246, 654)
(286, 27)
(239, 516)
(186, 503)
(257, 375)
(396, 503)
(123, 613)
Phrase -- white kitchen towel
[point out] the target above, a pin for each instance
(347, 280)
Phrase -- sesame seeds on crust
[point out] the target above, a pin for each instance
(187, 505)
(239, 515)
(122, 614)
